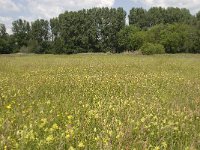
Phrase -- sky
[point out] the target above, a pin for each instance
(30, 10)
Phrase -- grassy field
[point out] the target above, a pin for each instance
(100, 102)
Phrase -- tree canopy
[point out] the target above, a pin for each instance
(105, 30)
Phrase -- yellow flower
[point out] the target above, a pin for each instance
(81, 145)
(96, 138)
(8, 107)
(164, 144)
(175, 128)
(5, 147)
(48, 102)
(70, 117)
(71, 148)
(143, 119)
(157, 148)
(95, 129)
(49, 139)
(67, 136)
(55, 126)
(44, 122)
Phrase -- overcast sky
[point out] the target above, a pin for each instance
(33, 9)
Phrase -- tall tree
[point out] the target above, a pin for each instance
(2, 30)
(125, 36)
(198, 16)
(155, 16)
(91, 30)
(40, 33)
(138, 17)
(55, 28)
(5, 46)
(40, 30)
(21, 31)
(177, 15)
(179, 37)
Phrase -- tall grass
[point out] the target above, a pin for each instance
(100, 102)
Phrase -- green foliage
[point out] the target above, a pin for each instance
(198, 16)
(175, 38)
(33, 45)
(2, 30)
(150, 49)
(177, 15)
(40, 33)
(5, 45)
(94, 29)
(21, 32)
(104, 30)
(55, 28)
(24, 49)
(136, 40)
(157, 15)
(195, 42)
(59, 46)
(178, 38)
(138, 17)
(125, 36)
(40, 30)
(154, 33)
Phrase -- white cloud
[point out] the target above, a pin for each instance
(8, 6)
(192, 5)
(52, 8)
(8, 22)
(37, 9)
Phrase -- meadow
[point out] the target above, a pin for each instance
(99, 101)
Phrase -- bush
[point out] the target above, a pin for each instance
(33, 46)
(150, 49)
(25, 49)
(126, 39)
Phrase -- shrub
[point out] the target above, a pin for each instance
(24, 49)
(150, 49)
(33, 46)
(136, 40)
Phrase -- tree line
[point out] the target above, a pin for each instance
(105, 30)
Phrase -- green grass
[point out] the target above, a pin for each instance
(100, 102)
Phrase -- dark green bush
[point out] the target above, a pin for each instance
(150, 49)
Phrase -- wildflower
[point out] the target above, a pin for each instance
(95, 129)
(55, 126)
(48, 102)
(71, 148)
(70, 117)
(67, 136)
(9, 106)
(143, 119)
(175, 128)
(187, 148)
(81, 145)
(157, 148)
(44, 122)
(164, 144)
(5, 147)
(50, 138)
(110, 132)
(96, 138)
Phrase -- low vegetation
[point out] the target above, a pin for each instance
(149, 49)
(100, 102)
